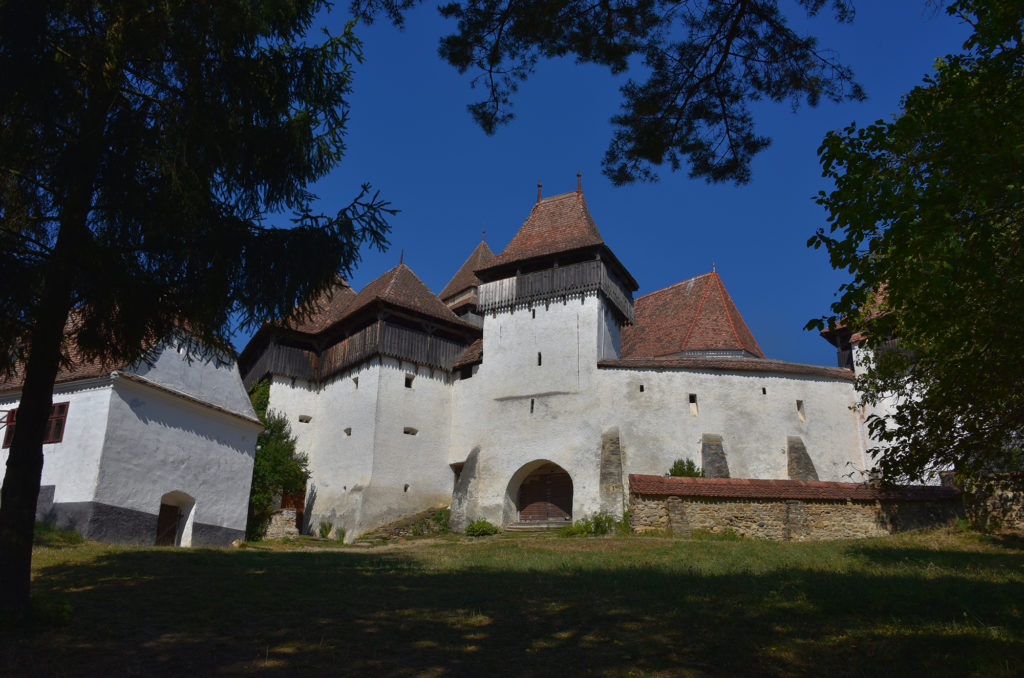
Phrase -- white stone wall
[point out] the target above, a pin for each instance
(205, 377)
(72, 465)
(157, 443)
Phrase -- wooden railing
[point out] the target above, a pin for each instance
(583, 277)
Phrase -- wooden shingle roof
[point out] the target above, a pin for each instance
(330, 307)
(402, 288)
(465, 278)
(694, 315)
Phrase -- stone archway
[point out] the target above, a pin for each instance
(543, 494)
(174, 522)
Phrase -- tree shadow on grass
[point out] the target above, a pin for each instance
(205, 612)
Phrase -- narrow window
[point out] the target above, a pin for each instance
(409, 431)
(764, 391)
(408, 380)
(355, 383)
(531, 405)
(538, 359)
(54, 432)
(693, 404)
(534, 312)
(641, 388)
(800, 410)
(348, 431)
(406, 488)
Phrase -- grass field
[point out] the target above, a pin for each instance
(940, 603)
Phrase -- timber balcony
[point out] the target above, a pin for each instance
(380, 338)
(586, 276)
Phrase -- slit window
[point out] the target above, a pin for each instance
(54, 424)
(355, 383)
(533, 311)
(800, 410)
(409, 431)
(538, 359)
(531, 405)
(693, 404)
(764, 391)
(641, 388)
(408, 380)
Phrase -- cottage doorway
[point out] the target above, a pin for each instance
(174, 521)
(545, 495)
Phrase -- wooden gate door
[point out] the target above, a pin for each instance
(546, 495)
(167, 525)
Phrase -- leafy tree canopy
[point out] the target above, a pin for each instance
(927, 216)
(145, 150)
(703, 63)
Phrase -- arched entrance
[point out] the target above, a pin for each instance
(545, 495)
(174, 522)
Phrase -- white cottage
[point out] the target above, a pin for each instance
(146, 454)
(532, 387)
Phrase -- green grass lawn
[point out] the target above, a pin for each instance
(932, 604)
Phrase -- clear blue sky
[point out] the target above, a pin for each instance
(410, 135)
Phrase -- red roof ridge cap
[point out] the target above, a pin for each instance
(726, 295)
(725, 304)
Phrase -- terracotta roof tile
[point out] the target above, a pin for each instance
(79, 368)
(749, 488)
(727, 365)
(694, 315)
(329, 308)
(464, 278)
(400, 287)
(474, 353)
(561, 223)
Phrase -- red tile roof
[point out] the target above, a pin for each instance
(79, 368)
(727, 365)
(400, 287)
(694, 315)
(329, 308)
(743, 488)
(464, 278)
(561, 223)
(474, 353)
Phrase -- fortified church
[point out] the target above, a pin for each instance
(531, 387)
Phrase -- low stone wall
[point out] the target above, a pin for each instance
(995, 501)
(282, 524)
(785, 510)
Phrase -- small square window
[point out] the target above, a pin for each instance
(408, 380)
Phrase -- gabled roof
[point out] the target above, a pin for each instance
(693, 315)
(400, 287)
(464, 278)
(559, 224)
(329, 308)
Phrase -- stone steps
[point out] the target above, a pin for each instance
(536, 525)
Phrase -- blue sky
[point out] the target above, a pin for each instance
(410, 136)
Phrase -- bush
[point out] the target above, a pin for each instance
(325, 529)
(597, 525)
(48, 534)
(481, 528)
(685, 468)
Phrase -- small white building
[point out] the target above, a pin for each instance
(532, 387)
(146, 454)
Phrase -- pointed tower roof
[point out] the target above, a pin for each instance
(693, 315)
(464, 278)
(402, 288)
(557, 225)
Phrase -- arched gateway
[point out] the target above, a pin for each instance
(544, 494)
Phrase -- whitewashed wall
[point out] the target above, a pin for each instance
(72, 465)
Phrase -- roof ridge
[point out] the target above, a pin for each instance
(725, 305)
(696, 315)
(668, 287)
(560, 196)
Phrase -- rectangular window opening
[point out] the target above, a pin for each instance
(348, 431)
(409, 431)
(531, 405)
(408, 380)
(533, 312)
(355, 383)
(764, 391)
(641, 388)
(54, 425)
(693, 404)
(538, 359)
(800, 410)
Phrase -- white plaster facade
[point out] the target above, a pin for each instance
(175, 432)
(546, 385)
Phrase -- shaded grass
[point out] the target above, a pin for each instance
(938, 603)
